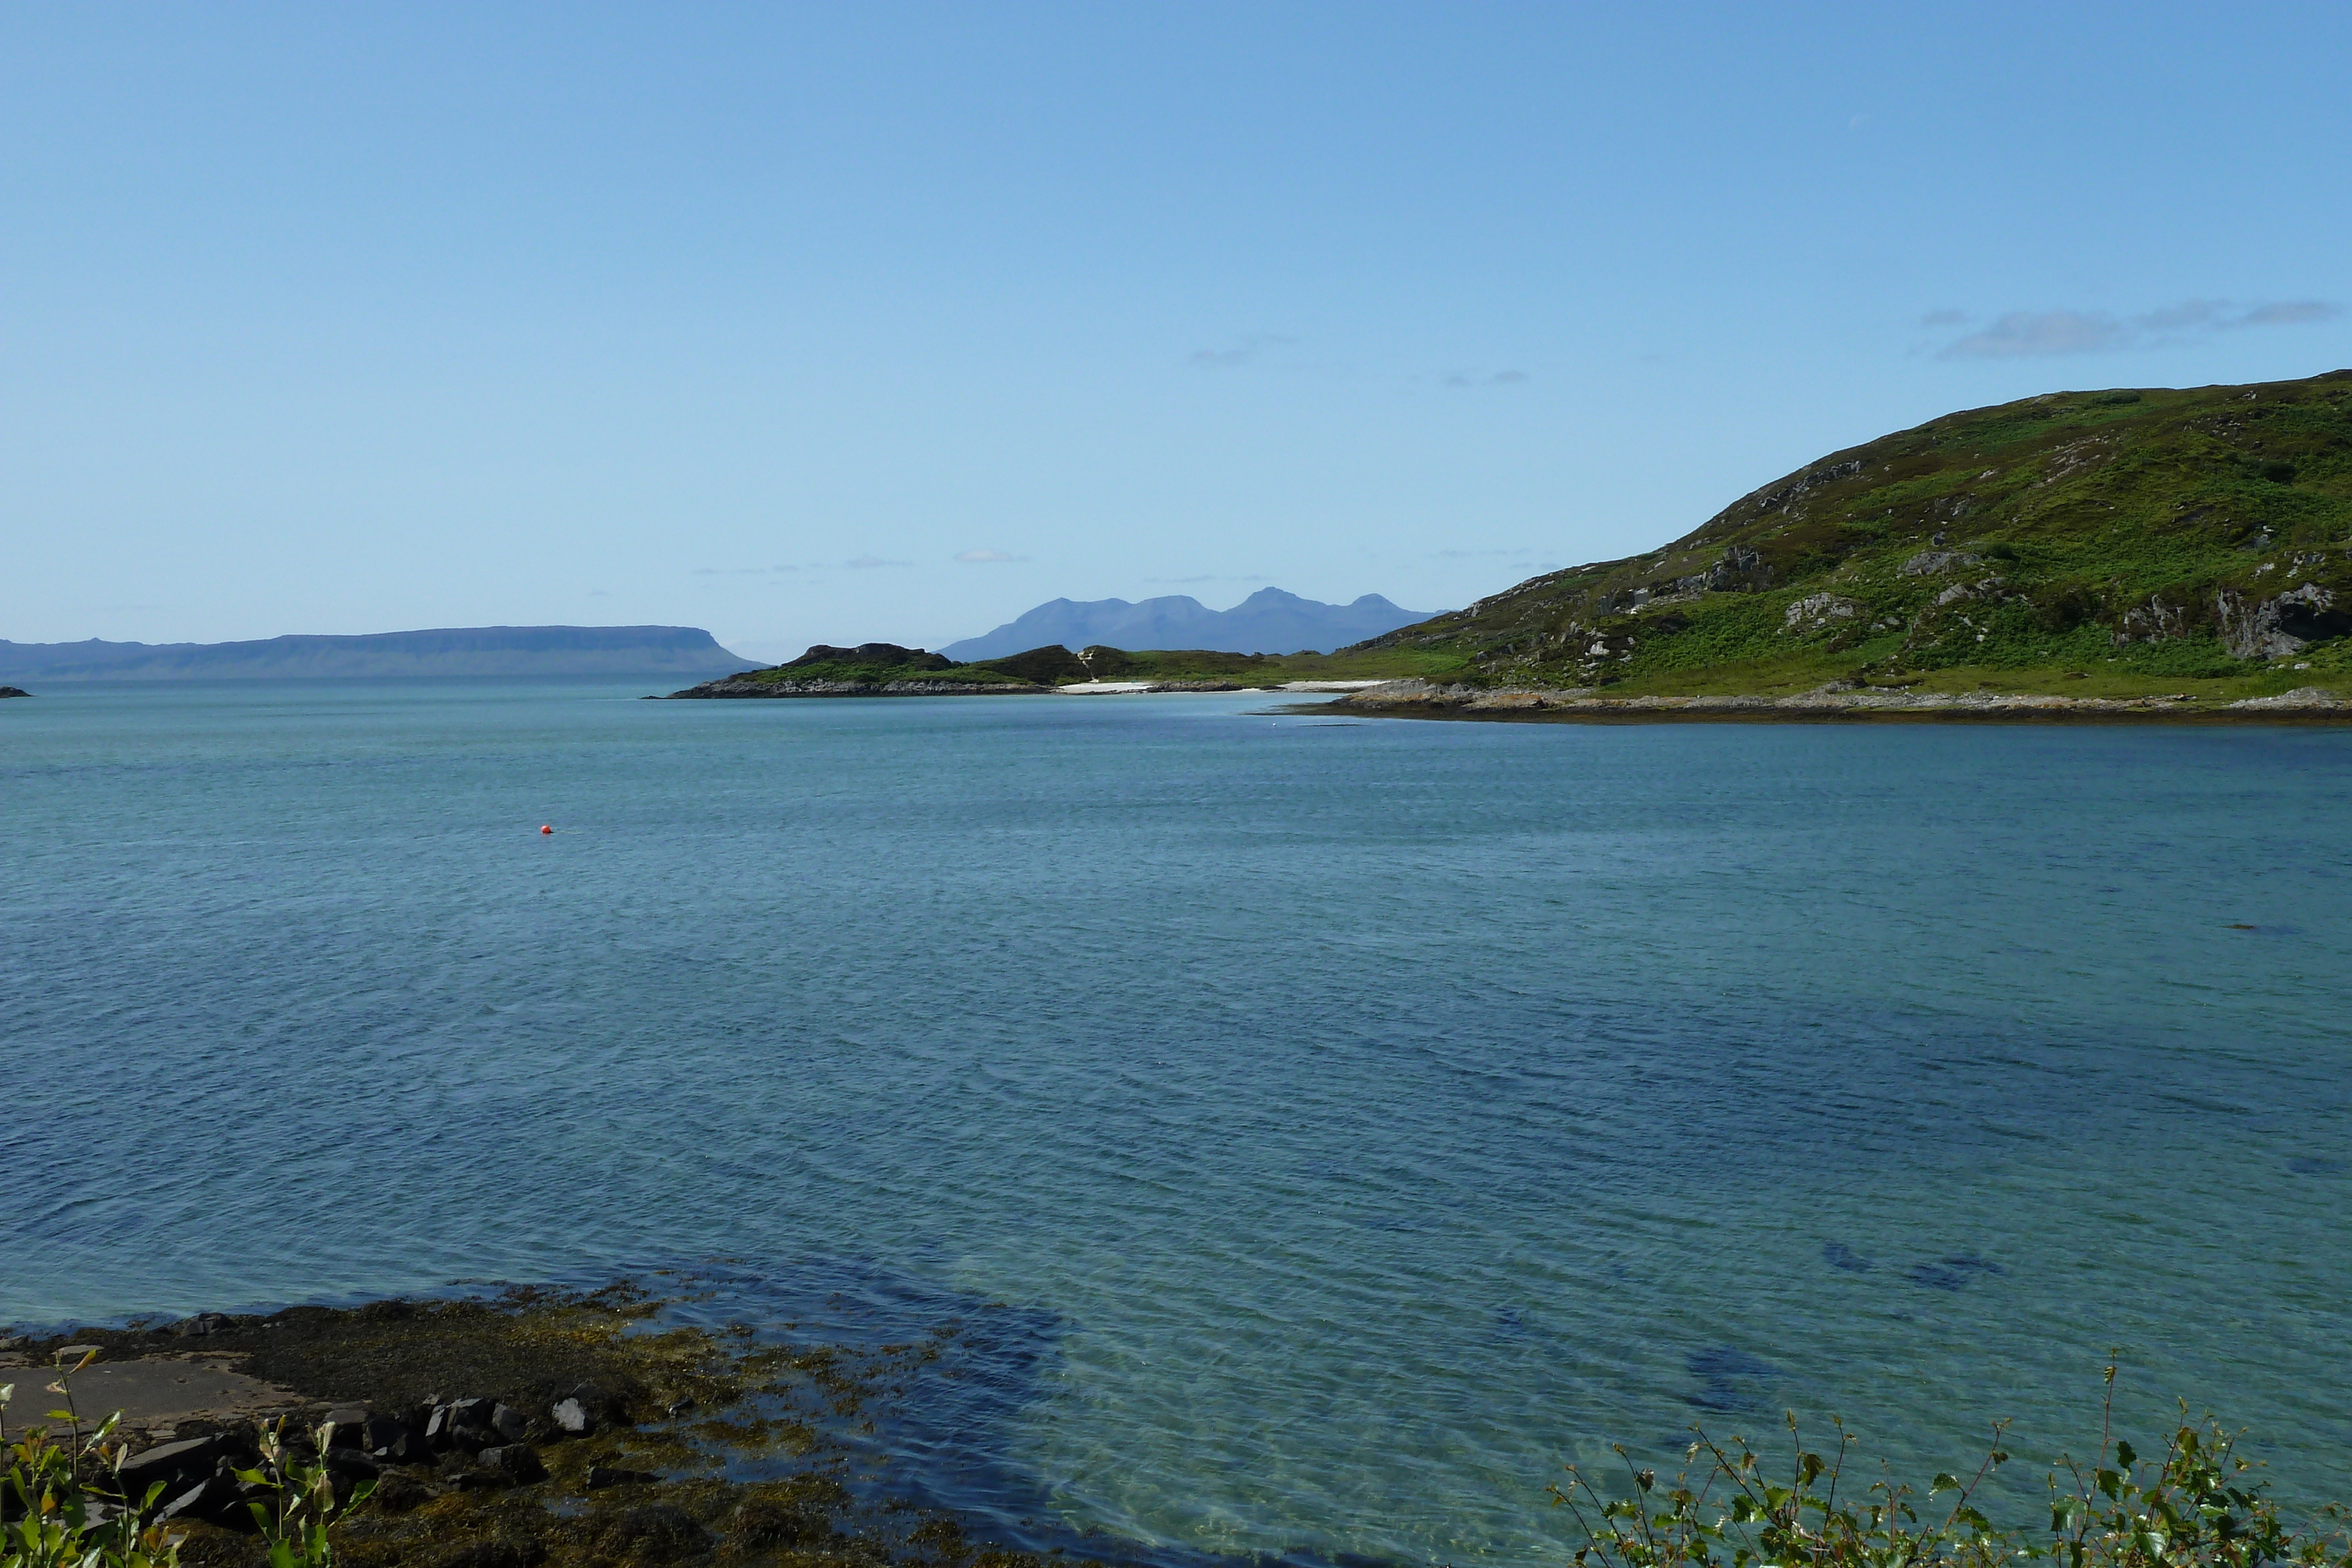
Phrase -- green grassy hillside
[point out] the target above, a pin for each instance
(2193, 539)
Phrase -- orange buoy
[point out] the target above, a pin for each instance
(545, 829)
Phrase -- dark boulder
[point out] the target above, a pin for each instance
(13, 692)
(519, 1462)
(186, 1461)
(214, 1500)
(345, 1427)
(462, 1424)
(349, 1464)
(510, 1423)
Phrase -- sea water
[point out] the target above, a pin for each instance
(1321, 1130)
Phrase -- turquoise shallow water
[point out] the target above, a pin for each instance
(1324, 1130)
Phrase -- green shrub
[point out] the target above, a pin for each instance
(62, 1503)
(2195, 1505)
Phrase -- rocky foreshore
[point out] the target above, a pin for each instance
(1837, 699)
(539, 1427)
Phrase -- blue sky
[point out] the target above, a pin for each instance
(886, 322)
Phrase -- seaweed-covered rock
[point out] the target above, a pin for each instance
(654, 1532)
(517, 1462)
(763, 1521)
(601, 1476)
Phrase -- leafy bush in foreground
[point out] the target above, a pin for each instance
(63, 1505)
(2191, 1506)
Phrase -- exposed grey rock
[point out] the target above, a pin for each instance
(13, 692)
(2309, 697)
(203, 1323)
(2279, 626)
(1928, 562)
(510, 1423)
(1815, 610)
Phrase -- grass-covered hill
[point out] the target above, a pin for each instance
(2135, 540)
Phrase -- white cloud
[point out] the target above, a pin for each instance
(987, 557)
(2023, 332)
(2031, 332)
(1244, 353)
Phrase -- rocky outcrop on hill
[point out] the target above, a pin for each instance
(2276, 627)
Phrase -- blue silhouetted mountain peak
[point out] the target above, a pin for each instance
(1268, 622)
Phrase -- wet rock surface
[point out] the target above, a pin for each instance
(536, 1429)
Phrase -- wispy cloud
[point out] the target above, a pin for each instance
(1479, 377)
(730, 571)
(1482, 379)
(2020, 334)
(1943, 318)
(987, 557)
(2288, 313)
(1246, 353)
(867, 563)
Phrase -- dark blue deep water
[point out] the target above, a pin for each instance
(1337, 1125)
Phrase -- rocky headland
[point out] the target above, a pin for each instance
(2150, 541)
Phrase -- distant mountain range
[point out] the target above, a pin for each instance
(457, 651)
(1267, 622)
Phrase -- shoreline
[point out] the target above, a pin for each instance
(736, 687)
(588, 1427)
(1838, 701)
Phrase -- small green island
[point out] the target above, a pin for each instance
(885, 669)
(2127, 553)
